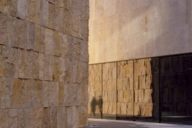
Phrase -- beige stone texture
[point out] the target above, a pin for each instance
(43, 68)
(125, 86)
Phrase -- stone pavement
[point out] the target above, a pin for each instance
(98, 123)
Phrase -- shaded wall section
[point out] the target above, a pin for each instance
(131, 29)
(151, 88)
(43, 63)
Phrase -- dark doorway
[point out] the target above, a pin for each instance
(176, 89)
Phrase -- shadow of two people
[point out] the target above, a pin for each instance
(97, 103)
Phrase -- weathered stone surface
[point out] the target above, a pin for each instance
(21, 97)
(39, 44)
(51, 17)
(3, 29)
(59, 17)
(34, 7)
(126, 87)
(22, 6)
(61, 117)
(43, 80)
(72, 117)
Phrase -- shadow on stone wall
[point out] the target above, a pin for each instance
(150, 89)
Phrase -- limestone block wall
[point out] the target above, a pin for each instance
(125, 92)
(126, 88)
(43, 63)
(150, 88)
(109, 89)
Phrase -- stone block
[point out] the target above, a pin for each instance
(8, 118)
(5, 94)
(3, 29)
(22, 8)
(83, 93)
(49, 117)
(83, 115)
(10, 54)
(76, 23)
(59, 18)
(49, 42)
(60, 3)
(147, 110)
(58, 44)
(8, 7)
(109, 108)
(61, 117)
(45, 94)
(45, 67)
(148, 96)
(61, 94)
(3, 118)
(53, 93)
(41, 66)
(137, 109)
(2, 67)
(19, 29)
(33, 117)
(21, 96)
(30, 36)
(71, 95)
(34, 7)
(84, 50)
(3, 5)
(130, 110)
(44, 13)
(72, 117)
(52, 15)
(39, 44)
(36, 87)
(58, 68)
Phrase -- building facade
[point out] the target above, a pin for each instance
(43, 63)
(140, 61)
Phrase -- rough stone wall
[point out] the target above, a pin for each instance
(95, 87)
(143, 88)
(43, 63)
(151, 87)
(109, 89)
(125, 92)
(127, 88)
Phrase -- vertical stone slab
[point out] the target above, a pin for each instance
(95, 84)
(143, 106)
(125, 89)
(22, 6)
(109, 89)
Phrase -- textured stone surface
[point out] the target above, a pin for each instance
(127, 88)
(43, 66)
(145, 87)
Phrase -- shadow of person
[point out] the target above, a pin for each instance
(93, 106)
(100, 105)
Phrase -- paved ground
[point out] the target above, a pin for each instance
(96, 123)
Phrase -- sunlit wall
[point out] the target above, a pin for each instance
(129, 29)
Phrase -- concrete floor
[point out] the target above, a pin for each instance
(97, 123)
